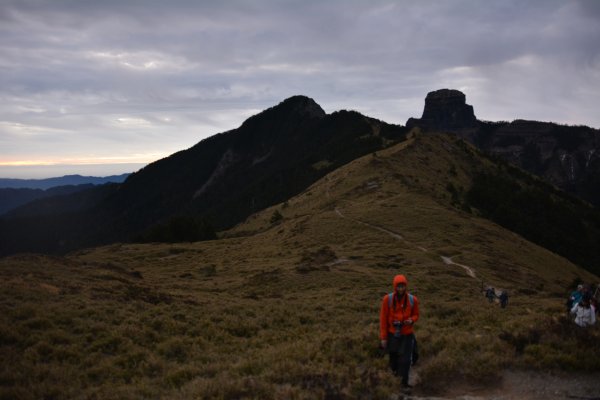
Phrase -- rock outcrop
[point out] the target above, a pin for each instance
(565, 156)
(446, 110)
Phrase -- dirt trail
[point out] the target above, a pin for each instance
(527, 385)
(469, 270)
(446, 260)
(389, 232)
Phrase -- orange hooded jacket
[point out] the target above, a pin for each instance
(400, 310)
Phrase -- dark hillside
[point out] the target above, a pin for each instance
(271, 157)
(60, 200)
(12, 198)
(222, 179)
(55, 224)
(560, 223)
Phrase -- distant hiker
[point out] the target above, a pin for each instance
(575, 297)
(399, 312)
(585, 314)
(503, 299)
(490, 293)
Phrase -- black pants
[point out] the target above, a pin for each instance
(400, 349)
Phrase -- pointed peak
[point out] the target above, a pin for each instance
(302, 105)
(295, 108)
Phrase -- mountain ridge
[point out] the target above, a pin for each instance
(15, 193)
(65, 180)
(13, 198)
(270, 157)
(564, 224)
(227, 177)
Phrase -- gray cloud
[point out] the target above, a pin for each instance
(112, 78)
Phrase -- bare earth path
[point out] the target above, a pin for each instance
(446, 260)
(528, 385)
(393, 234)
(469, 270)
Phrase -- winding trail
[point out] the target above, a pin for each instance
(446, 260)
(379, 228)
(469, 270)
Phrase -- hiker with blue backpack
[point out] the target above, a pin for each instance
(399, 312)
(575, 298)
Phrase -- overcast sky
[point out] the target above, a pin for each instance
(128, 82)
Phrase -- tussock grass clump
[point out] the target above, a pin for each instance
(316, 260)
(559, 344)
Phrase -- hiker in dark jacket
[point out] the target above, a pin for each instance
(503, 299)
(575, 297)
(399, 312)
(490, 293)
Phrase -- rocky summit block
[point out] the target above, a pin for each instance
(446, 110)
(565, 156)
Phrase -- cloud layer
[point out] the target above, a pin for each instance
(133, 81)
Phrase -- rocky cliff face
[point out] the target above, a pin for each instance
(446, 110)
(566, 156)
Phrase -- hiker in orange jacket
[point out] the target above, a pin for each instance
(399, 312)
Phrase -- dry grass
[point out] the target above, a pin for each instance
(289, 310)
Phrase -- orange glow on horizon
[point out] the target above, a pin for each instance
(135, 159)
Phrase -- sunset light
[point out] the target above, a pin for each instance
(135, 158)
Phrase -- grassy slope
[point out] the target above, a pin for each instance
(290, 309)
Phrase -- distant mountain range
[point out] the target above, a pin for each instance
(277, 154)
(67, 180)
(18, 192)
